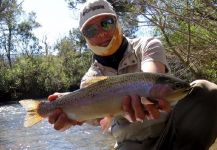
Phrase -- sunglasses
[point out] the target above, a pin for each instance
(107, 25)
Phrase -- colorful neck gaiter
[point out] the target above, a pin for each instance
(114, 59)
(112, 46)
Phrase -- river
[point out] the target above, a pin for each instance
(13, 136)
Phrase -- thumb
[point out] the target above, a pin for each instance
(52, 97)
(56, 95)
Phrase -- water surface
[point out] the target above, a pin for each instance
(13, 136)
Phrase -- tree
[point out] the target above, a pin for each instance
(74, 41)
(75, 56)
(26, 40)
(189, 31)
(77, 40)
(16, 35)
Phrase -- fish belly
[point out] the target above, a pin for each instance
(99, 109)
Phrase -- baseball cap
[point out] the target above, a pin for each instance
(95, 8)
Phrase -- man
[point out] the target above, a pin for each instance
(186, 127)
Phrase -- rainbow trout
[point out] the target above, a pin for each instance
(102, 96)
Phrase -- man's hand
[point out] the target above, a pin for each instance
(58, 118)
(139, 109)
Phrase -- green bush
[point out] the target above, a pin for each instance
(39, 76)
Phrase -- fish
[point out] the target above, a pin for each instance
(102, 96)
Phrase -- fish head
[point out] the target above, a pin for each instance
(170, 88)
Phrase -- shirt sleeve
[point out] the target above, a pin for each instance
(153, 50)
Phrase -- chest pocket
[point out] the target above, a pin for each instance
(130, 63)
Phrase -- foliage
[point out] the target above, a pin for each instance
(77, 66)
(73, 41)
(70, 47)
(38, 76)
(16, 33)
(188, 30)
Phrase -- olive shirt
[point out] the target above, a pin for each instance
(138, 51)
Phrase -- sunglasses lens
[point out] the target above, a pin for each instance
(90, 31)
(108, 24)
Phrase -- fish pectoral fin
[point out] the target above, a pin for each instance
(105, 123)
(93, 80)
(32, 117)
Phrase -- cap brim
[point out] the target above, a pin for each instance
(101, 14)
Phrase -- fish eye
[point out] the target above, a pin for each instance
(178, 85)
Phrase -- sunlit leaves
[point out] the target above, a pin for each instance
(42, 75)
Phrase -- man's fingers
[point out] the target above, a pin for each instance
(54, 116)
(164, 105)
(56, 95)
(151, 108)
(153, 112)
(66, 126)
(127, 107)
(61, 122)
(138, 108)
(52, 97)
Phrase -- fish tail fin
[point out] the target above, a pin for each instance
(32, 117)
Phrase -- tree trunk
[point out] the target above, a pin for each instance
(9, 48)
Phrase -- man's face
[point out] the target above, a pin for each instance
(100, 30)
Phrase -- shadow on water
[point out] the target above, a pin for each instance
(8, 103)
(42, 136)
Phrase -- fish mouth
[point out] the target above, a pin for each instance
(188, 90)
(178, 94)
(183, 90)
(173, 96)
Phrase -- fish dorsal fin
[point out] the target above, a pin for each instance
(94, 80)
